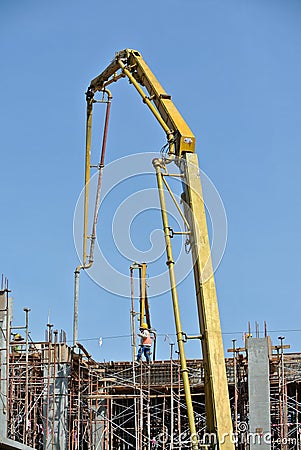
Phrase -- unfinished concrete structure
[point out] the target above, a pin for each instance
(259, 392)
(57, 397)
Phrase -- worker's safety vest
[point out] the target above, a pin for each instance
(147, 340)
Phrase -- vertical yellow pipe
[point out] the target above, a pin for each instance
(143, 292)
(87, 175)
(86, 216)
(174, 294)
(133, 328)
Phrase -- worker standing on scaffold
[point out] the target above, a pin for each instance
(146, 343)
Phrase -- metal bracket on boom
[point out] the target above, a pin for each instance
(186, 337)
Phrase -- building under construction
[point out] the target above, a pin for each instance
(54, 396)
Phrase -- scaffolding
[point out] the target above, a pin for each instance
(54, 396)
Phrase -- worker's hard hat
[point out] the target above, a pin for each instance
(18, 336)
(144, 326)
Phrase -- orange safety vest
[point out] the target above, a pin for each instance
(147, 340)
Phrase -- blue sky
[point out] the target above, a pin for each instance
(233, 69)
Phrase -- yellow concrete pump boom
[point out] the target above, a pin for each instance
(133, 66)
(181, 149)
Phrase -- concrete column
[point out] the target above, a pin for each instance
(55, 407)
(98, 425)
(259, 394)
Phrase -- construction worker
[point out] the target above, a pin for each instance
(146, 343)
(17, 338)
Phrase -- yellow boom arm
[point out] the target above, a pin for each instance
(131, 65)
